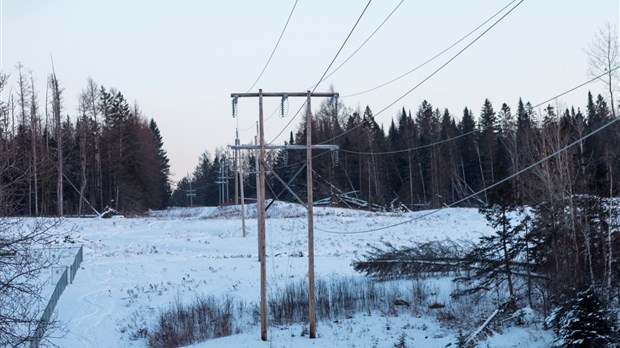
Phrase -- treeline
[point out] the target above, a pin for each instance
(54, 163)
(430, 158)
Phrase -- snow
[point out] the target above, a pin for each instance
(133, 267)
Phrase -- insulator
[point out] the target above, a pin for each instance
(234, 106)
(335, 158)
(284, 98)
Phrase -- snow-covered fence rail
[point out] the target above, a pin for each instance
(76, 264)
(67, 276)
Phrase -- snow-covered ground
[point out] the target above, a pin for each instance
(133, 267)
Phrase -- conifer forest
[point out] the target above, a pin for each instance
(558, 167)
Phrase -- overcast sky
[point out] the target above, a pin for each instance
(181, 60)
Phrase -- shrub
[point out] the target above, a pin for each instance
(183, 324)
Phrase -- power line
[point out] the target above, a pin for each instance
(409, 149)
(326, 70)
(432, 58)
(363, 43)
(461, 135)
(276, 46)
(342, 46)
(434, 72)
(486, 188)
(574, 88)
(471, 132)
(289, 122)
(253, 126)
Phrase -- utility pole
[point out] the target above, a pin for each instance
(239, 183)
(222, 181)
(236, 169)
(240, 170)
(311, 301)
(261, 197)
(261, 220)
(191, 194)
(256, 156)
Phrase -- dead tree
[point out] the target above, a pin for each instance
(56, 109)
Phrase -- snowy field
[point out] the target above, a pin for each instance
(134, 267)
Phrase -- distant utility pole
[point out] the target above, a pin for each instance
(191, 194)
(222, 181)
(258, 191)
(235, 168)
(239, 183)
(261, 196)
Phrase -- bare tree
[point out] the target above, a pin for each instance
(24, 250)
(24, 246)
(604, 58)
(82, 131)
(34, 127)
(91, 95)
(23, 95)
(56, 100)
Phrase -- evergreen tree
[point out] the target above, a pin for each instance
(496, 254)
(506, 157)
(487, 139)
(524, 151)
(179, 196)
(585, 323)
(427, 121)
(163, 179)
(450, 189)
(468, 154)
(598, 154)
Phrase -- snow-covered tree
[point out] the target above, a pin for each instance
(584, 322)
(496, 258)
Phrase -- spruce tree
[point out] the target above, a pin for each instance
(163, 180)
(495, 255)
(467, 147)
(585, 323)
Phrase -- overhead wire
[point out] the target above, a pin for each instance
(464, 134)
(433, 73)
(275, 47)
(441, 67)
(409, 149)
(434, 57)
(405, 74)
(342, 46)
(326, 70)
(265, 120)
(483, 190)
(362, 45)
(494, 184)
(577, 87)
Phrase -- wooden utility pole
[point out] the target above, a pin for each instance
(261, 220)
(260, 184)
(239, 182)
(310, 217)
(242, 201)
(236, 164)
(191, 194)
(256, 156)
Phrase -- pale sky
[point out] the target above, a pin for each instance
(181, 60)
